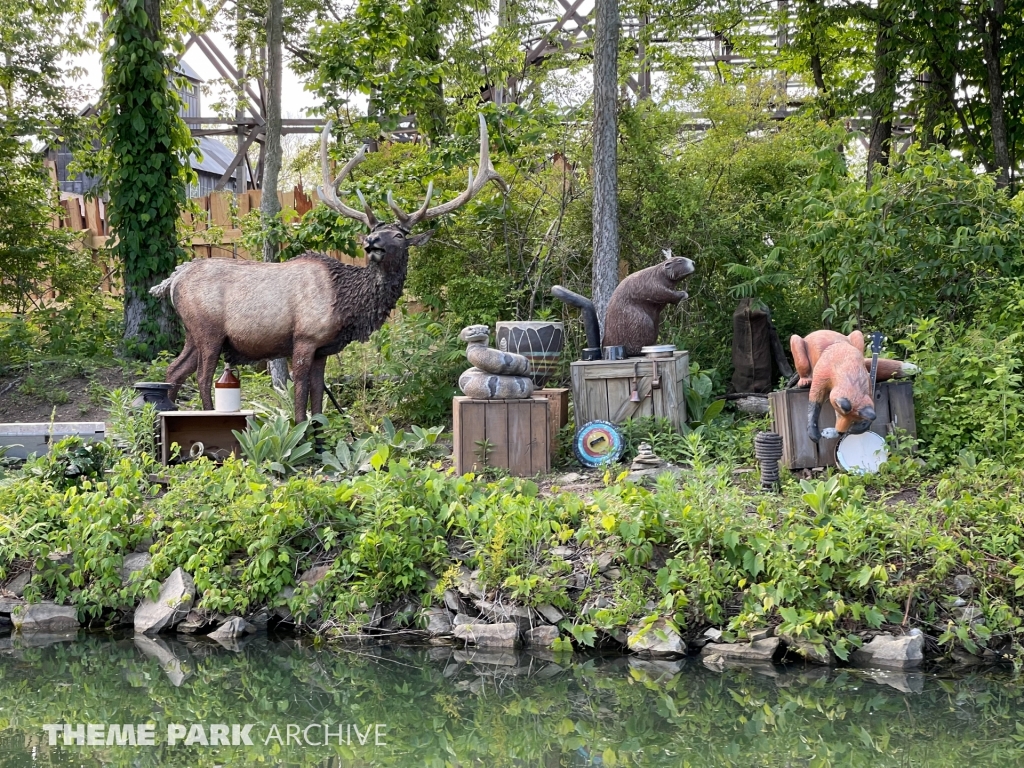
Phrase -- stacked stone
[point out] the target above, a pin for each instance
(495, 375)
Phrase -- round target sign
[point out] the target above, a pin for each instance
(597, 443)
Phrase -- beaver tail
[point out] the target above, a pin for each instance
(590, 324)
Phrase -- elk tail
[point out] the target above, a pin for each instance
(166, 288)
(590, 324)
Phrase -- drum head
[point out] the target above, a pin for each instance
(598, 443)
(862, 454)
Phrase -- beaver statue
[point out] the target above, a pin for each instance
(495, 375)
(634, 310)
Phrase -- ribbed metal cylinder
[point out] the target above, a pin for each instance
(768, 451)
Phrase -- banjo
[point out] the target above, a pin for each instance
(864, 453)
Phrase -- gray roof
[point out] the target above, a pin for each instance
(216, 156)
(183, 68)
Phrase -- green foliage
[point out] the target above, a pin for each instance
(147, 169)
(278, 444)
(72, 460)
(407, 370)
(86, 329)
(132, 430)
(968, 397)
(923, 240)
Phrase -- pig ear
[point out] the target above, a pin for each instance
(420, 239)
(843, 405)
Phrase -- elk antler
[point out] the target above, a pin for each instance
(329, 191)
(485, 174)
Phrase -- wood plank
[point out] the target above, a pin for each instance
(629, 410)
(880, 426)
(93, 222)
(579, 393)
(618, 400)
(74, 209)
(901, 406)
(457, 438)
(243, 204)
(473, 433)
(220, 209)
(558, 410)
(597, 401)
(496, 431)
(519, 437)
(255, 196)
(540, 434)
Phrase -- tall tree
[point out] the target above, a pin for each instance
(270, 205)
(605, 274)
(148, 171)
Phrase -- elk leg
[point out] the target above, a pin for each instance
(204, 377)
(183, 366)
(316, 385)
(302, 367)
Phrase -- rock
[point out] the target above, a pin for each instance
(890, 652)
(173, 658)
(659, 671)
(569, 478)
(42, 639)
(193, 624)
(489, 635)
(452, 601)
(8, 604)
(438, 621)
(646, 459)
(501, 614)
(964, 585)
(713, 634)
(604, 561)
(282, 611)
(134, 563)
(233, 628)
(259, 620)
(970, 614)
(541, 637)
(657, 639)
(759, 634)
(45, 617)
(752, 404)
(315, 574)
(468, 584)
(173, 604)
(808, 652)
(550, 614)
(61, 558)
(601, 602)
(16, 586)
(462, 619)
(564, 553)
(901, 681)
(613, 574)
(492, 658)
(761, 650)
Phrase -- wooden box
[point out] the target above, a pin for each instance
(211, 428)
(559, 409)
(894, 407)
(517, 435)
(601, 389)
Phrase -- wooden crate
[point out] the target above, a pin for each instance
(518, 433)
(894, 407)
(601, 389)
(559, 413)
(211, 428)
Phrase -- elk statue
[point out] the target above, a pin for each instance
(306, 308)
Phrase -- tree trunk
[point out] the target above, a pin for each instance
(882, 99)
(991, 44)
(270, 206)
(606, 193)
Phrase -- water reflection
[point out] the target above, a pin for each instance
(445, 706)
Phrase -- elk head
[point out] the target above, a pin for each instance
(387, 244)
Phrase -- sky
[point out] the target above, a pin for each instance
(295, 100)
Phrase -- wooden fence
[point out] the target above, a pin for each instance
(214, 230)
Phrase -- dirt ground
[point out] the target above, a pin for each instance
(31, 396)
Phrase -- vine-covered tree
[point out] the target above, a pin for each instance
(148, 168)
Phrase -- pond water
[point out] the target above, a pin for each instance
(402, 706)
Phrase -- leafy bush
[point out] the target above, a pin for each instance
(968, 397)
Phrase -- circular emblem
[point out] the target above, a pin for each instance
(598, 443)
